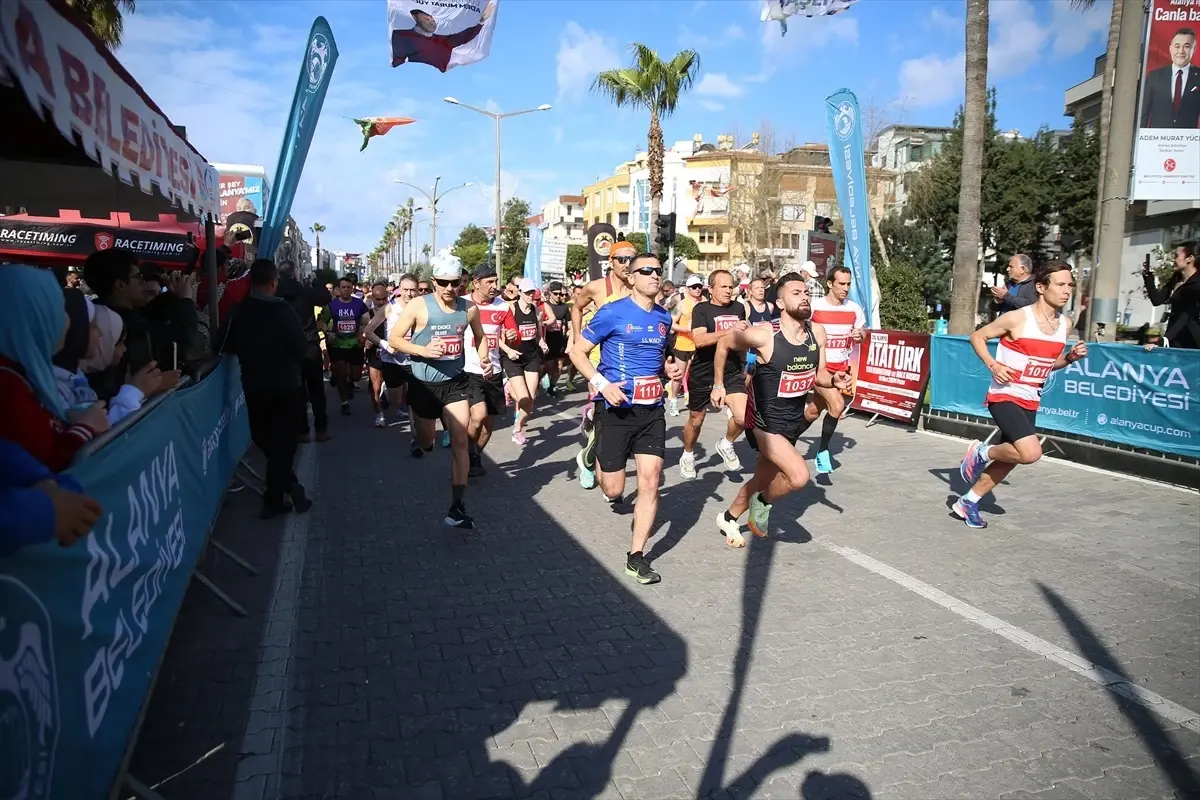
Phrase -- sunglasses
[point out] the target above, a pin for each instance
(424, 290)
(447, 283)
(623, 259)
(649, 271)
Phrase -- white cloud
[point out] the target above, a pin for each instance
(942, 20)
(712, 105)
(1016, 40)
(581, 55)
(718, 84)
(805, 37)
(931, 80)
(1075, 31)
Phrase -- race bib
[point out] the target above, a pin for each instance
(775, 325)
(493, 340)
(347, 326)
(528, 332)
(453, 345)
(556, 326)
(837, 342)
(1037, 370)
(647, 391)
(725, 322)
(796, 384)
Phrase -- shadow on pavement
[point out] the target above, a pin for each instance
(1145, 724)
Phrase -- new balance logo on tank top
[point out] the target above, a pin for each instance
(632, 344)
(838, 321)
(491, 317)
(1030, 358)
(782, 383)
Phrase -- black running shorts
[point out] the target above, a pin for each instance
(489, 391)
(1014, 422)
(395, 375)
(625, 432)
(517, 369)
(556, 343)
(700, 388)
(353, 356)
(429, 400)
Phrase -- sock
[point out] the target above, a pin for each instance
(614, 500)
(971, 497)
(985, 453)
(828, 425)
(730, 517)
(456, 492)
(472, 449)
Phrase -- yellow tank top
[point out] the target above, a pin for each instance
(594, 356)
(683, 341)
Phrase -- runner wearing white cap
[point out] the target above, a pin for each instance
(521, 357)
(440, 387)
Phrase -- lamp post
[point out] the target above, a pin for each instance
(496, 116)
(434, 198)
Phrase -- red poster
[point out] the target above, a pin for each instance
(893, 371)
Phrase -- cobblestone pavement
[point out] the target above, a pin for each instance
(873, 647)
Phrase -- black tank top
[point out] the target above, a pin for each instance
(759, 317)
(560, 312)
(781, 385)
(527, 338)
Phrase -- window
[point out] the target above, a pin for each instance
(823, 210)
(623, 219)
(793, 213)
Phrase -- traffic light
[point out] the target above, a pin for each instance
(821, 224)
(665, 225)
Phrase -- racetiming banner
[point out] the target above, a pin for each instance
(320, 57)
(1119, 393)
(844, 128)
(82, 629)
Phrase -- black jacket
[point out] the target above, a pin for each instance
(1025, 295)
(303, 298)
(265, 334)
(1183, 322)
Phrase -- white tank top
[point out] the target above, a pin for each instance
(1030, 358)
(838, 321)
(390, 315)
(491, 318)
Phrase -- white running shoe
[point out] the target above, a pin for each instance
(731, 530)
(728, 454)
(687, 466)
(380, 422)
(673, 407)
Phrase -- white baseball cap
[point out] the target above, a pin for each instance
(694, 280)
(526, 285)
(809, 268)
(446, 265)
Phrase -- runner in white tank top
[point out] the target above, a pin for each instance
(1033, 343)
(843, 321)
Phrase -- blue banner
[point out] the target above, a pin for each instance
(844, 128)
(320, 56)
(82, 629)
(1120, 393)
(533, 256)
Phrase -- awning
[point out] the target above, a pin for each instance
(73, 118)
(70, 237)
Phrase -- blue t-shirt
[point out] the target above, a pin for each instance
(632, 344)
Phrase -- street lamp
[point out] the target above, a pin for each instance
(433, 199)
(496, 116)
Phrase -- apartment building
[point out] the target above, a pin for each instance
(564, 219)
(905, 149)
(607, 200)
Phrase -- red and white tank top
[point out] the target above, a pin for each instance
(838, 320)
(1030, 358)
(491, 318)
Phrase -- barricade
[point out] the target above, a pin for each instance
(1121, 394)
(83, 630)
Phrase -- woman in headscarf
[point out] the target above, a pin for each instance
(32, 414)
(83, 342)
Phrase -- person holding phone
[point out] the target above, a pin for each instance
(1182, 292)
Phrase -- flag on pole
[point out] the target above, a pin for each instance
(378, 126)
(444, 35)
(780, 10)
(844, 127)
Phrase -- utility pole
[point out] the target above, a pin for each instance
(1104, 286)
(434, 198)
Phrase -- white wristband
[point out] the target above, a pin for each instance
(598, 382)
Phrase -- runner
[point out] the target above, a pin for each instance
(843, 321)
(594, 296)
(487, 394)
(373, 331)
(758, 310)
(711, 322)
(790, 362)
(576, 293)
(684, 348)
(556, 334)
(439, 387)
(631, 335)
(396, 366)
(522, 359)
(343, 320)
(1033, 343)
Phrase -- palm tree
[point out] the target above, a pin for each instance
(964, 299)
(655, 85)
(410, 217)
(104, 17)
(317, 229)
(425, 250)
(1110, 68)
(391, 234)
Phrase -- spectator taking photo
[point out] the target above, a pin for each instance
(1182, 292)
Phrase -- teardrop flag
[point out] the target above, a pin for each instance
(378, 126)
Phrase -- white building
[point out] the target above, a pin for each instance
(675, 188)
(562, 219)
(906, 149)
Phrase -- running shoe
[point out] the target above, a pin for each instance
(519, 437)
(457, 517)
(687, 466)
(380, 421)
(637, 566)
(546, 382)
(401, 415)
(824, 463)
(673, 407)
(760, 515)
(972, 463)
(728, 454)
(445, 438)
(570, 384)
(476, 469)
(968, 512)
(415, 450)
(345, 409)
(731, 530)
(587, 477)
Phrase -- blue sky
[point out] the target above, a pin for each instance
(227, 70)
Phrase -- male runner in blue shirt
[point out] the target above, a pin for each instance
(632, 336)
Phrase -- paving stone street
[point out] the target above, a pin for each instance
(873, 647)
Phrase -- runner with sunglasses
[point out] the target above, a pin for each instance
(487, 393)
(594, 296)
(521, 356)
(631, 334)
(423, 287)
(558, 322)
(440, 387)
(684, 347)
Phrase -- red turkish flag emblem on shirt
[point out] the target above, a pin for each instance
(1169, 165)
(104, 240)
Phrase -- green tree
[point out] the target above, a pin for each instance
(317, 229)
(638, 240)
(326, 275)
(916, 245)
(515, 240)
(471, 255)
(901, 306)
(577, 258)
(472, 234)
(105, 18)
(685, 246)
(656, 86)
(1078, 171)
